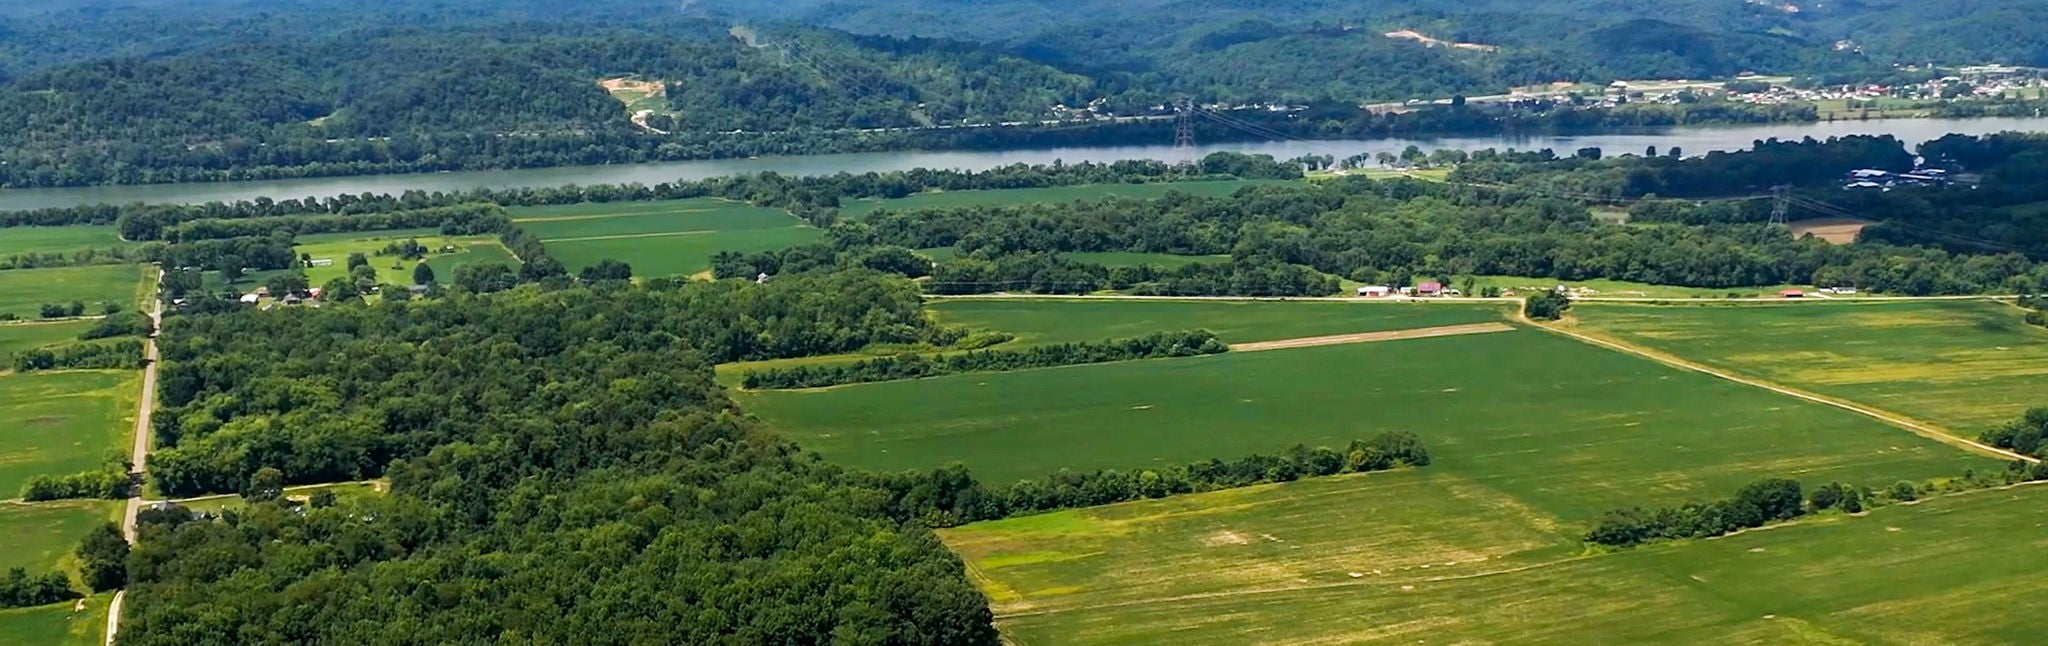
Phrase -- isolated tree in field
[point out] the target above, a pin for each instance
(340, 290)
(364, 276)
(422, 274)
(1546, 305)
(357, 259)
(103, 558)
(266, 485)
(1385, 158)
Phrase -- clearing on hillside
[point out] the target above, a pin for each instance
(59, 423)
(676, 237)
(1570, 429)
(1942, 571)
(1962, 365)
(1833, 230)
(1050, 195)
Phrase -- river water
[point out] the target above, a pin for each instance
(1693, 140)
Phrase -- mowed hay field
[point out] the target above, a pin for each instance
(58, 423)
(668, 238)
(15, 240)
(57, 624)
(1040, 320)
(1962, 365)
(1280, 560)
(1050, 195)
(1571, 430)
(24, 291)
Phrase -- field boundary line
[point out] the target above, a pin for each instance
(1916, 427)
(627, 236)
(607, 216)
(1374, 337)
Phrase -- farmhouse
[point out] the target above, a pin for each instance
(1375, 291)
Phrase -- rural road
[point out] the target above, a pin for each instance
(1470, 299)
(139, 458)
(1372, 337)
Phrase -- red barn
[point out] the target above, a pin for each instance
(1431, 288)
(1792, 293)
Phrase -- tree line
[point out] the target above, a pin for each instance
(125, 354)
(950, 495)
(2027, 435)
(1156, 345)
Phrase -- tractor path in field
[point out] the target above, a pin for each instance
(1917, 427)
(1372, 337)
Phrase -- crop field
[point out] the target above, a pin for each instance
(16, 240)
(41, 536)
(1052, 195)
(1341, 561)
(57, 624)
(392, 269)
(1571, 429)
(660, 238)
(24, 291)
(1962, 365)
(16, 337)
(1067, 320)
(62, 422)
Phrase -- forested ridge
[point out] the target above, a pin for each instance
(232, 89)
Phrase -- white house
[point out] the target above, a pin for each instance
(1375, 291)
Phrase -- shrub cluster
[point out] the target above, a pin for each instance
(62, 310)
(19, 590)
(119, 355)
(107, 484)
(1763, 501)
(118, 324)
(913, 366)
(951, 496)
(2027, 435)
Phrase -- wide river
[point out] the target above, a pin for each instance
(1693, 140)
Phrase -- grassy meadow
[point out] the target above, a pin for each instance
(62, 624)
(41, 536)
(1278, 566)
(1056, 194)
(16, 337)
(24, 291)
(668, 238)
(1067, 320)
(392, 269)
(1569, 429)
(1961, 365)
(18, 240)
(1625, 289)
(62, 422)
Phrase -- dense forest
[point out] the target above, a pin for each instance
(232, 89)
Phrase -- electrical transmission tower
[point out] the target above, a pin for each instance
(1781, 203)
(1184, 126)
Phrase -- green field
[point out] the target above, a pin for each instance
(57, 624)
(668, 238)
(1066, 320)
(16, 337)
(1625, 289)
(41, 536)
(1570, 429)
(1057, 194)
(1963, 365)
(393, 270)
(24, 291)
(1105, 258)
(1276, 565)
(15, 240)
(59, 423)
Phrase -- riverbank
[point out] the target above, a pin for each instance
(1692, 140)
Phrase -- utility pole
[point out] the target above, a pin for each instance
(1781, 203)
(1184, 125)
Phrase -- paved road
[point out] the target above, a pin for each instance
(139, 458)
(1474, 299)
